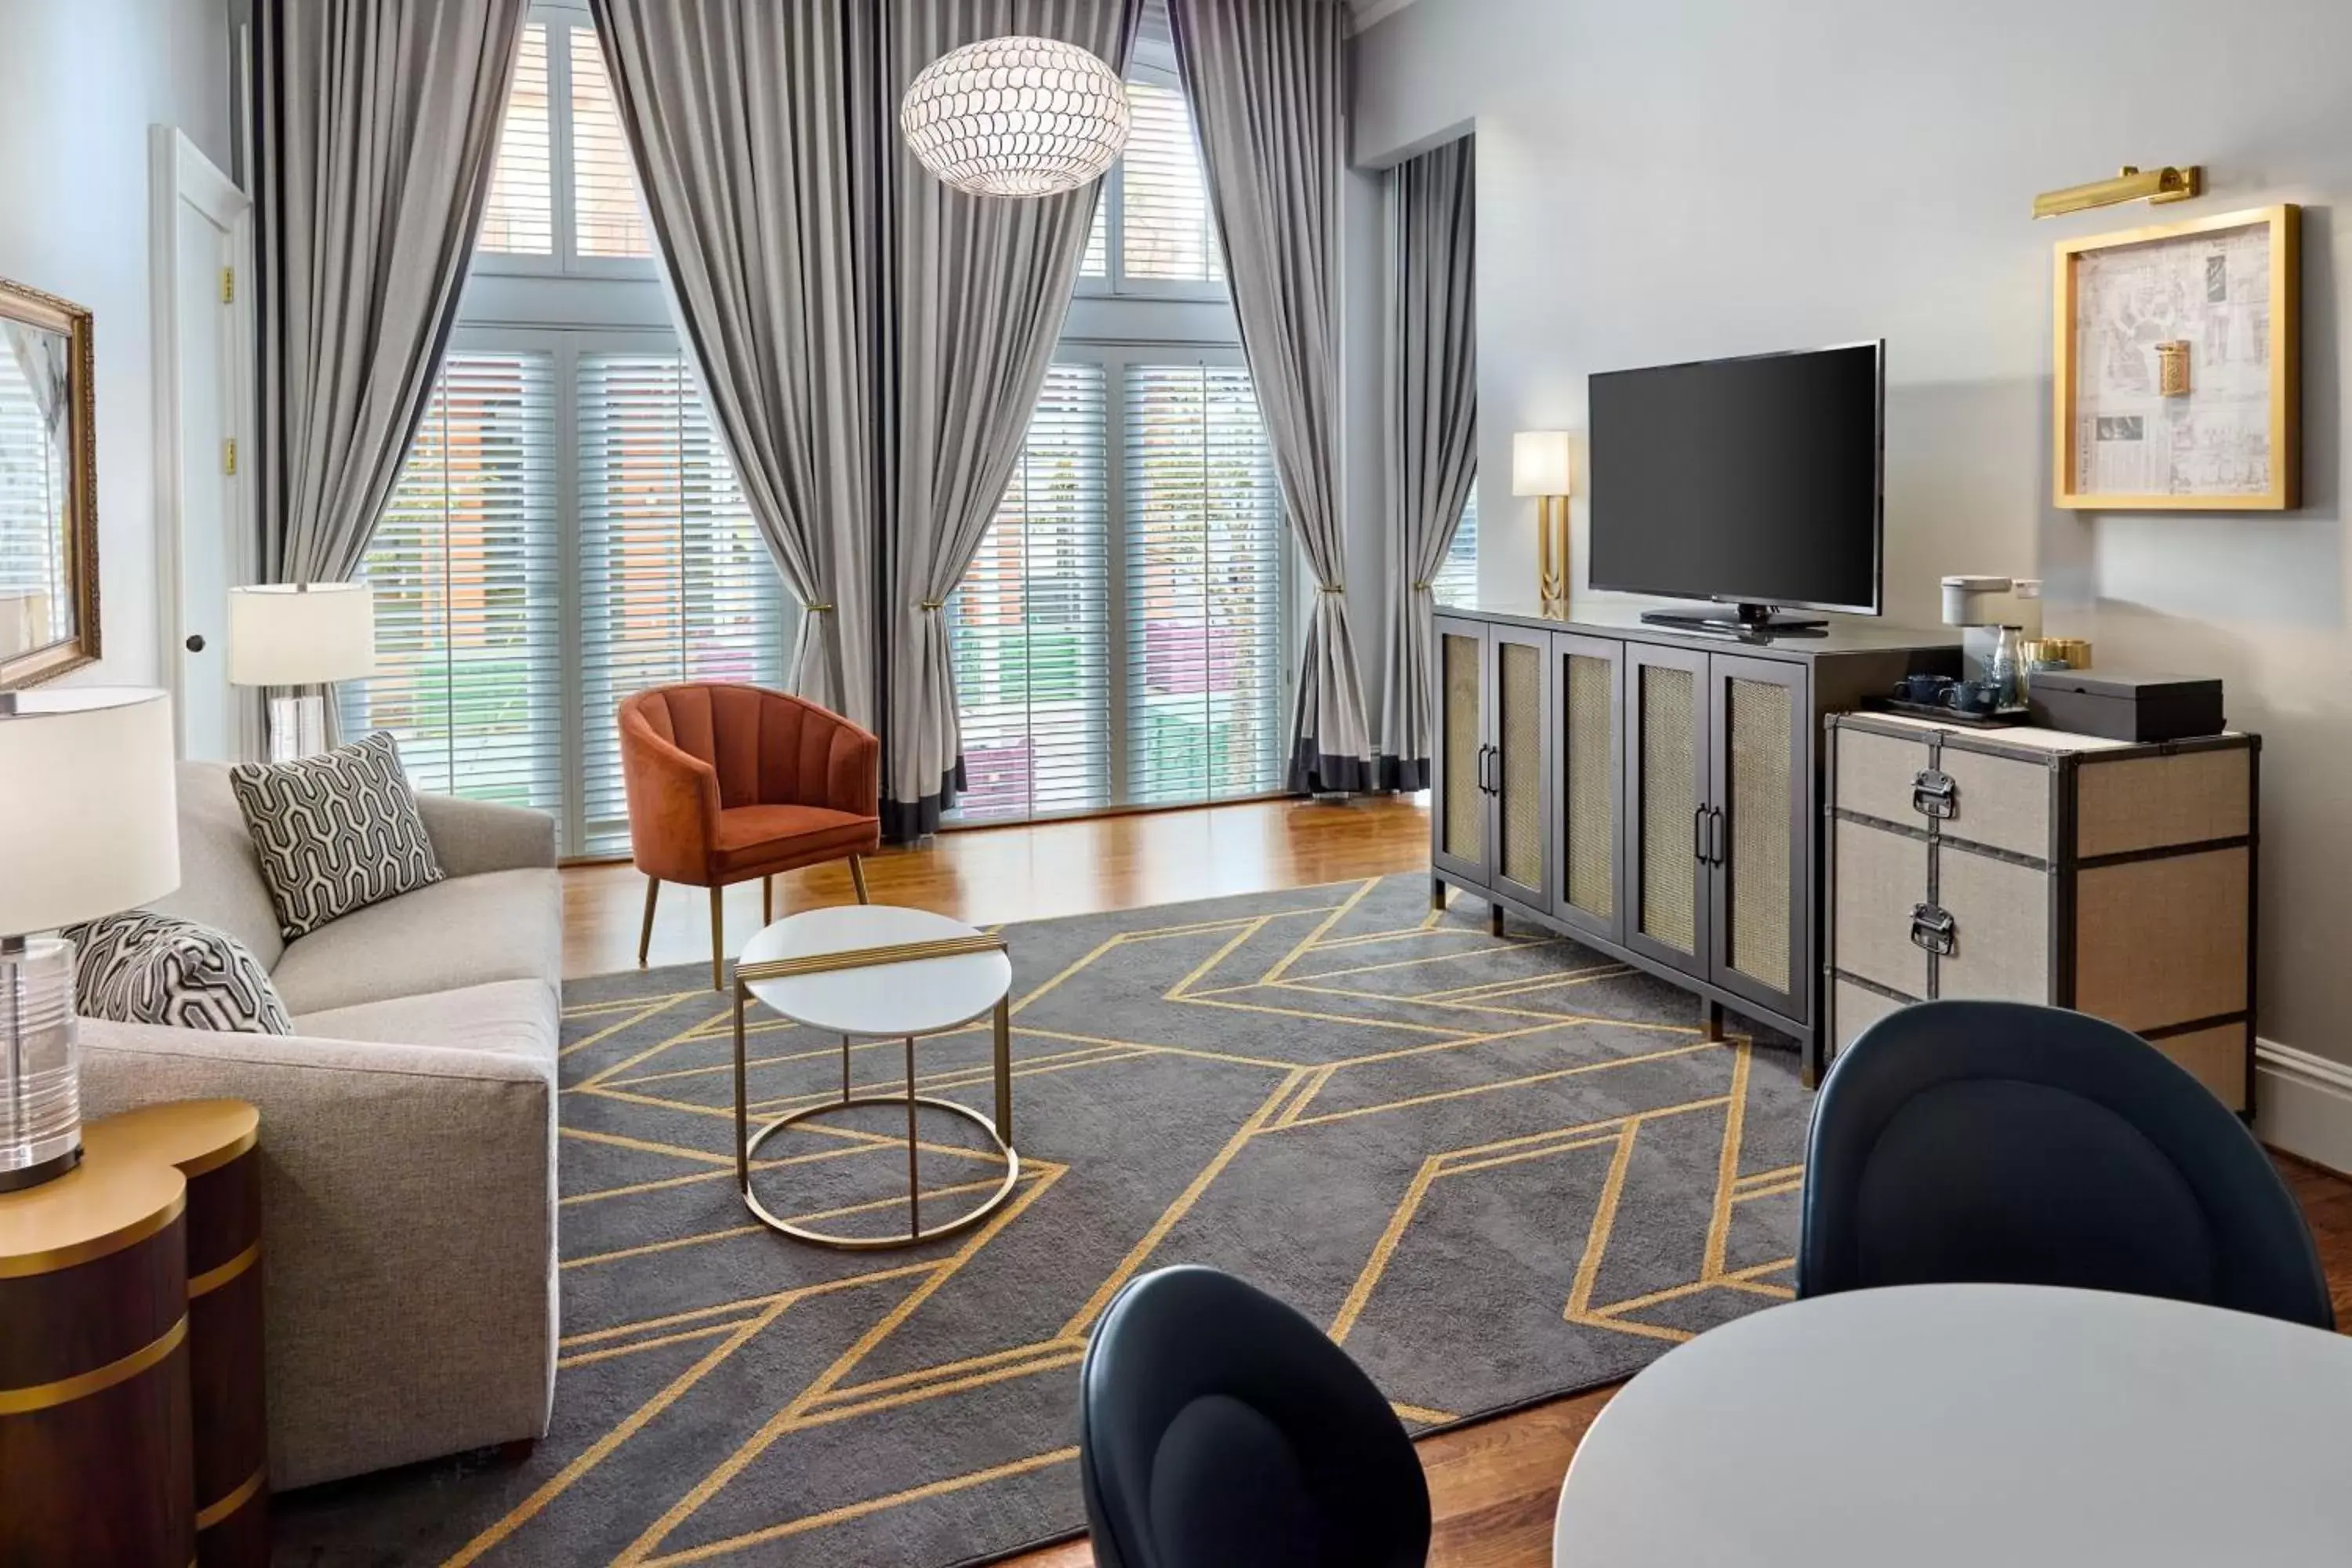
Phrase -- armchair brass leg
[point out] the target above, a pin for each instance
(646, 931)
(857, 879)
(717, 931)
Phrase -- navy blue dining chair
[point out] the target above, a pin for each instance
(1219, 1428)
(1997, 1141)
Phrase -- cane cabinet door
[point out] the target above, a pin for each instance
(1459, 759)
(1588, 783)
(1665, 710)
(1760, 831)
(1519, 786)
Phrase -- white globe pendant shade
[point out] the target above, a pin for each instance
(1016, 117)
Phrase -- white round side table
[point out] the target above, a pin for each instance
(876, 971)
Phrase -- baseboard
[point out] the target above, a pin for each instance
(2305, 1104)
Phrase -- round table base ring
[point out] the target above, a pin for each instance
(963, 1222)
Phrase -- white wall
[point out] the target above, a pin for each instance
(80, 81)
(1673, 179)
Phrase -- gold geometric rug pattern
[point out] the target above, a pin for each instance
(1497, 1171)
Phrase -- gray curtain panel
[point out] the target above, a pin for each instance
(1268, 86)
(379, 123)
(979, 286)
(760, 183)
(1433, 447)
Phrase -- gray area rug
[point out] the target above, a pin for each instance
(1498, 1171)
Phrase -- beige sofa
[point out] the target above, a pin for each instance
(407, 1136)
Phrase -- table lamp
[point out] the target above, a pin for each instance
(1542, 468)
(299, 634)
(92, 828)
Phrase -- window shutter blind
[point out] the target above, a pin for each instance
(674, 581)
(1457, 582)
(34, 486)
(1169, 234)
(1095, 263)
(1204, 585)
(607, 219)
(519, 219)
(464, 568)
(1030, 623)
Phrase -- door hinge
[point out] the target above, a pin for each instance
(228, 456)
(228, 285)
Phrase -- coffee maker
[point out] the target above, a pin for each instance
(1981, 608)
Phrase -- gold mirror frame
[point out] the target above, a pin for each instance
(32, 308)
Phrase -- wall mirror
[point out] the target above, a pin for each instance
(48, 483)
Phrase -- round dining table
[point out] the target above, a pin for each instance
(1943, 1425)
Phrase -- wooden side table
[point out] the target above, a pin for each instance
(132, 1429)
(95, 1456)
(213, 1143)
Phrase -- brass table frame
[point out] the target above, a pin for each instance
(748, 1143)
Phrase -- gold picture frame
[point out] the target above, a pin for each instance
(2234, 451)
(66, 325)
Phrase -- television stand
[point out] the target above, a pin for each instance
(1737, 620)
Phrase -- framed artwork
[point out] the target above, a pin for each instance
(2177, 386)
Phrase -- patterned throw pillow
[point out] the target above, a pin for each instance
(335, 832)
(140, 968)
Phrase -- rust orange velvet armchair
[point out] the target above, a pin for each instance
(729, 782)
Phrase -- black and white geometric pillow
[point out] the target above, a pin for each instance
(335, 832)
(139, 967)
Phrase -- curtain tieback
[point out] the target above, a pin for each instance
(1421, 587)
(1331, 587)
(932, 604)
(816, 609)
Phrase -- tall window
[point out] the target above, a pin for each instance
(1122, 637)
(566, 528)
(1457, 582)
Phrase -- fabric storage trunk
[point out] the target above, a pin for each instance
(2029, 865)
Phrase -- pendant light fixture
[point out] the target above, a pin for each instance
(1016, 117)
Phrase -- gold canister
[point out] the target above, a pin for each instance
(2073, 653)
(2172, 368)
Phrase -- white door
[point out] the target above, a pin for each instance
(203, 307)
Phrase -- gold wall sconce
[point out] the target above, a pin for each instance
(2156, 187)
(1542, 467)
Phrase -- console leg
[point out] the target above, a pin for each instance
(1710, 1020)
(1437, 893)
(1495, 919)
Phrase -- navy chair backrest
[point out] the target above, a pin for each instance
(1996, 1142)
(1218, 1426)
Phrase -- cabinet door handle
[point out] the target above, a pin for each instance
(1716, 838)
(1934, 794)
(1698, 835)
(1935, 929)
(1484, 787)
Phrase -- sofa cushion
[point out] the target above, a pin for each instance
(335, 832)
(464, 931)
(140, 968)
(220, 874)
(514, 1017)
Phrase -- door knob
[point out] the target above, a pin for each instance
(196, 643)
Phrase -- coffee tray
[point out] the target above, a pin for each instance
(2002, 719)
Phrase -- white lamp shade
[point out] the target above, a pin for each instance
(90, 824)
(1016, 117)
(280, 635)
(1541, 464)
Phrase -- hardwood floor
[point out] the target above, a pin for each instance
(987, 875)
(1492, 1486)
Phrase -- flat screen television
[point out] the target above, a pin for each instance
(1756, 482)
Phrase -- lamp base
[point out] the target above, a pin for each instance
(40, 1075)
(298, 727)
(1551, 533)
